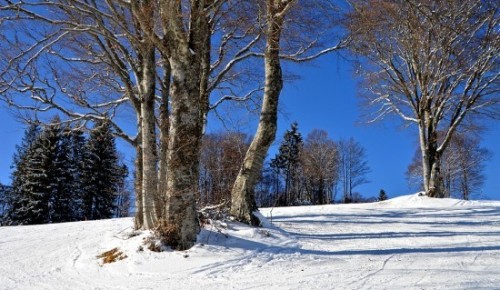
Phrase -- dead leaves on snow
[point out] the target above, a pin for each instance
(112, 256)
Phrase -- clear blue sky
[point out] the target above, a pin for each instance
(323, 98)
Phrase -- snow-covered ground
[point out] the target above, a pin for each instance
(410, 242)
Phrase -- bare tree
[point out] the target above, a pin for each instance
(432, 63)
(221, 157)
(319, 162)
(353, 168)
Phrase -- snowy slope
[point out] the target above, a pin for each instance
(409, 242)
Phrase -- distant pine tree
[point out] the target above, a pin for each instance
(44, 180)
(13, 198)
(101, 173)
(4, 194)
(32, 181)
(382, 195)
(62, 198)
(78, 147)
(287, 160)
(60, 176)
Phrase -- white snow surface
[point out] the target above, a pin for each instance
(409, 242)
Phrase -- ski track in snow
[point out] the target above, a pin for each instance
(409, 242)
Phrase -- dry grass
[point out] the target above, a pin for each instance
(112, 256)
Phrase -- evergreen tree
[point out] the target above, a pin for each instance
(4, 194)
(60, 177)
(61, 174)
(32, 181)
(101, 173)
(382, 195)
(78, 147)
(14, 196)
(44, 180)
(287, 160)
(30, 135)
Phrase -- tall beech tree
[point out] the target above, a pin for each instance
(434, 64)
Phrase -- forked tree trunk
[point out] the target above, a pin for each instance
(243, 196)
(431, 162)
(186, 47)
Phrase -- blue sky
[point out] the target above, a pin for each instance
(323, 98)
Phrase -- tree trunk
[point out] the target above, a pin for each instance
(139, 220)
(431, 161)
(164, 128)
(149, 161)
(185, 46)
(435, 181)
(148, 140)
(183, 153)
(243, 196)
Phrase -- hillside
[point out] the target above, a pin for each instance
(409, 242)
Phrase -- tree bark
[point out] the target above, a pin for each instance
(431, 162)
(186, 48)
(183, 153)
(243, 196)
(139, 220)
(164, 128)
(148, 138)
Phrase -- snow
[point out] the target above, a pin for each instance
(409, 242)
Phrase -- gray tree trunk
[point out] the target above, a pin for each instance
(139, 220)
(431, 160)
(183, 154)
(164, 127)
(242, 196)
(148, 140)
(186, 48)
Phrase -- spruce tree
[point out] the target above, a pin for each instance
(382, 195)
(78, 147)
(61, 174)
(101, 173)
(4, 194)
(287, 160)
(14, 197)
(32, 181)
(43, 182)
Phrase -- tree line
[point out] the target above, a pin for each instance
(168, 64)
(61, 175)
(310, 171)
